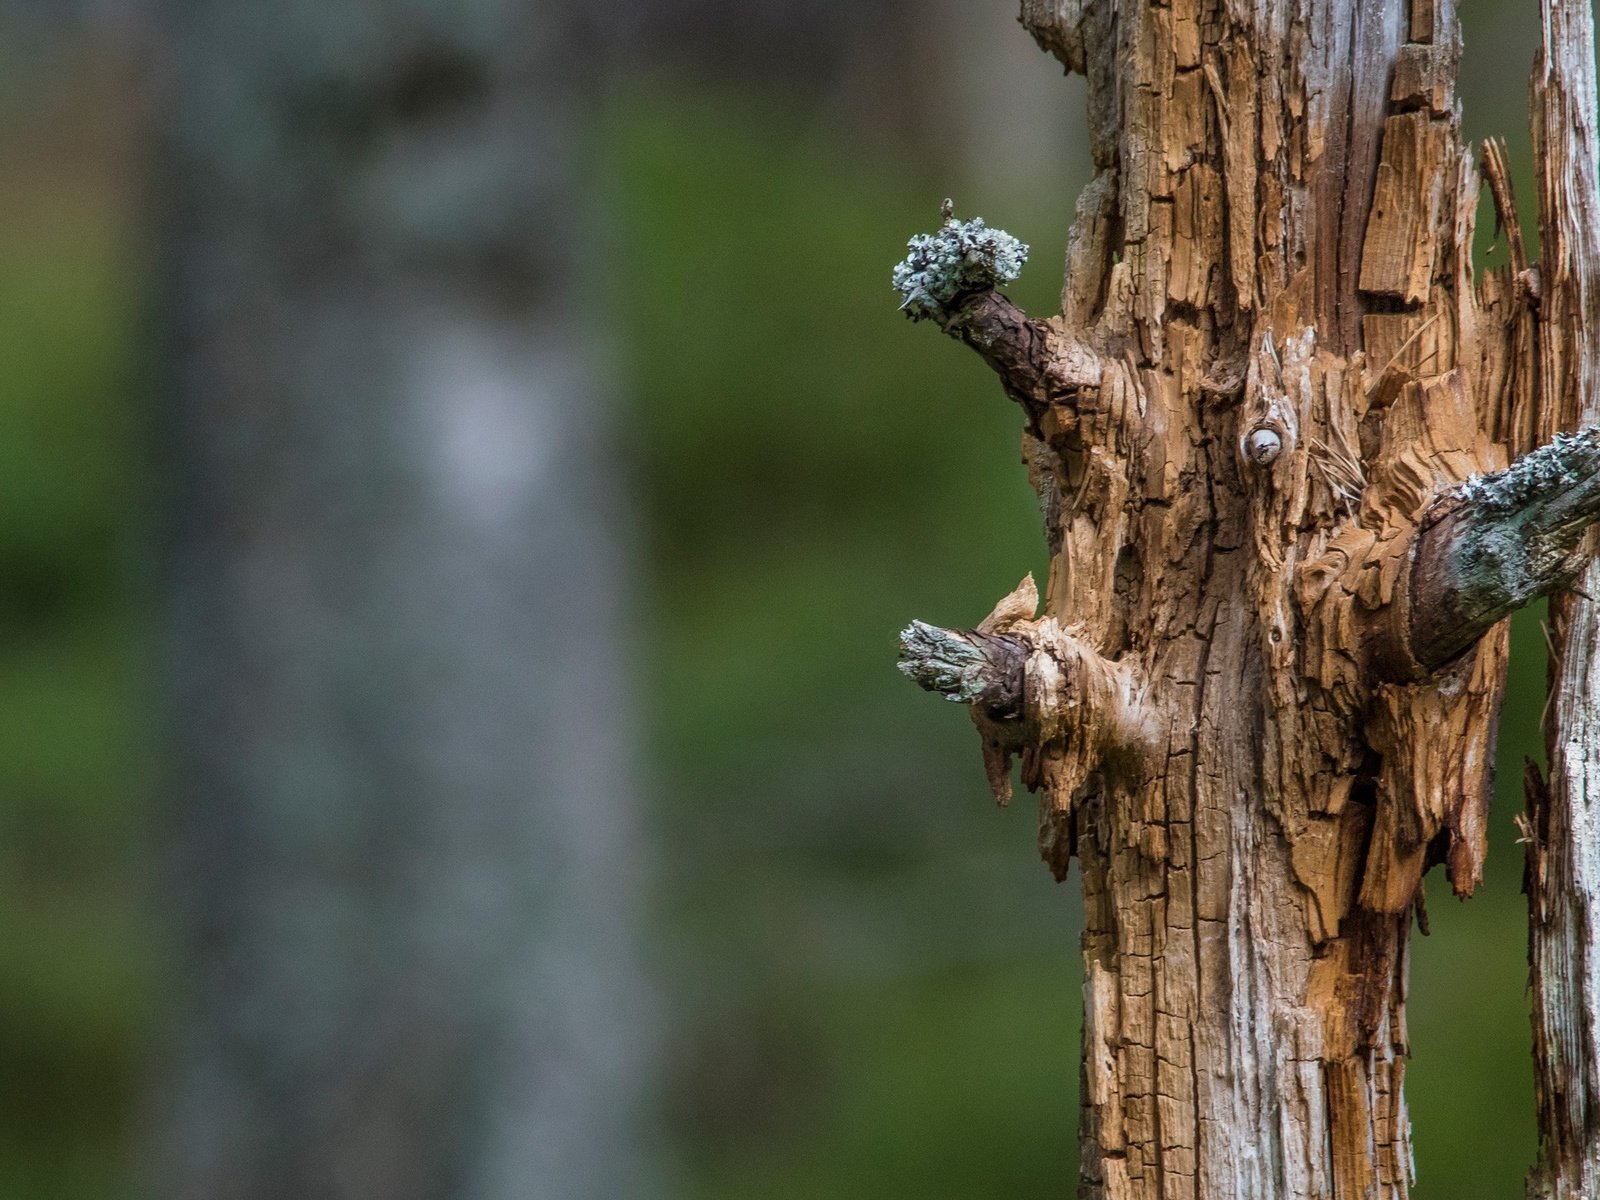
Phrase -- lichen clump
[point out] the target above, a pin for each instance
(961, 258)
(1567, 461)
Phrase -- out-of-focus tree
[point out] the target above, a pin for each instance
(404, 810)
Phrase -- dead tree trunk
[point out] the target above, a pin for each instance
(1270, 433)
(1563, 828)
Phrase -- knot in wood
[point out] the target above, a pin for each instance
(1263, 445)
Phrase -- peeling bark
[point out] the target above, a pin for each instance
(1270, 431)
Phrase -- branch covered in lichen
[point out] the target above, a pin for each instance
(1036, 685)
(961, 259)
(1502, 541)
(1062, 688)
(965, 666)
(951, 277)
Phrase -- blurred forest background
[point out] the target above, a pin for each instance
(862, 981)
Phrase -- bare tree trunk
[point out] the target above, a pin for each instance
(1563, 880)
(1270, 433)
(405, 808)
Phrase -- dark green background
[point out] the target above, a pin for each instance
(870, 984)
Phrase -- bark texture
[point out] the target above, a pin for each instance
(1563, 880)
(404, 813)
(1268, 431)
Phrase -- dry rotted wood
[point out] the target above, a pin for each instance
(1267, 432)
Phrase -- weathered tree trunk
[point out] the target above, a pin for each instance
(405, 813)
(1269, 433)
(1563, 880)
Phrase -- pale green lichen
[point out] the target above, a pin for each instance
(1519, 532)
(1568, 460)
(943, 661)
(963, 257)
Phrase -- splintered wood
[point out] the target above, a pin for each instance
(1272, 364)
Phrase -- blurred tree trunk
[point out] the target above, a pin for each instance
(1563, 879)
(405, 812)
(1270, 432)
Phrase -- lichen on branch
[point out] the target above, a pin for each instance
(961, 259)
(1503, 540)
(1560, 468)
(951, 277)
(965, 666)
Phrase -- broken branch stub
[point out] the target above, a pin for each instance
(952, 277)
(966, 666)
(1041, 675)
(1031, 683)
(1500, 541)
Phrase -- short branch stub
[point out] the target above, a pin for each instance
(966, 666)
(1502, 540)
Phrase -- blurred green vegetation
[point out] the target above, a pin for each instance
(876, 982)
(891, 964)
(75, 958)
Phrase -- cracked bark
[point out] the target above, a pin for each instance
(1563, 868)
(1271, 433)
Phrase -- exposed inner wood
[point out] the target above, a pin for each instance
(1273, 375)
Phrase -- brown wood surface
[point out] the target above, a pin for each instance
(1259, 702)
